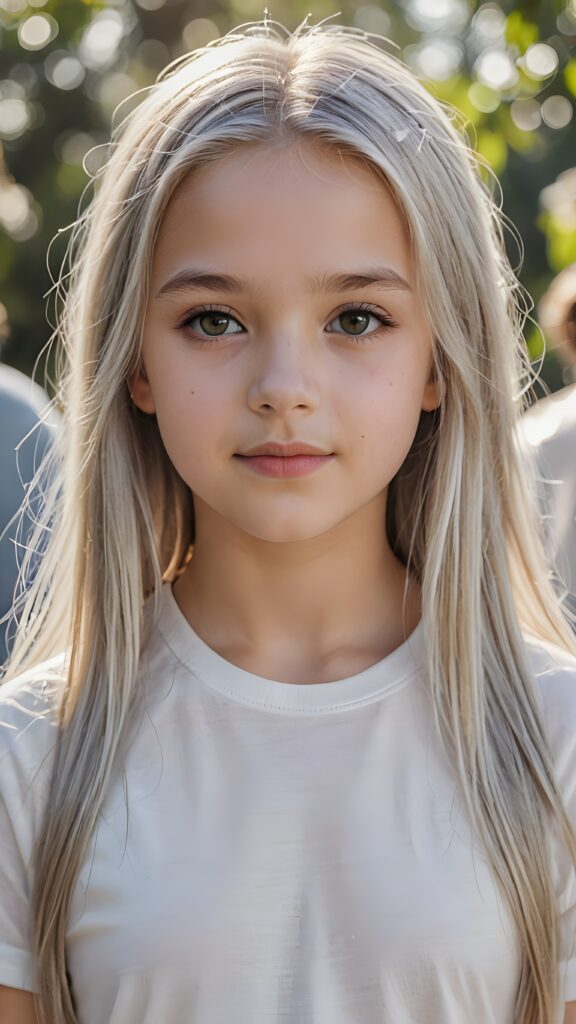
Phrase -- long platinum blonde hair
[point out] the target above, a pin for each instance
(461, 510)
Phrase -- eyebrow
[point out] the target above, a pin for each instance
(193, 279)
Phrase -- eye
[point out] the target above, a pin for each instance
(209, 323)
(357, 318)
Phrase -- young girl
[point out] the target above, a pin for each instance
(289, 731)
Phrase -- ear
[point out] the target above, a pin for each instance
(140, 391)
(432, 392)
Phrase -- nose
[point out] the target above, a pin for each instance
(284, 379)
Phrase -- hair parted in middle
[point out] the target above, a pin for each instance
(460, 509)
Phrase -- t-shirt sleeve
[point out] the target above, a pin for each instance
(566, 771)
(26, 736)
(17, 967)
(557, 683)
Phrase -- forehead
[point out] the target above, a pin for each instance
(301, 164)
(273, 206)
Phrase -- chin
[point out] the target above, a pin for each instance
(286, 533)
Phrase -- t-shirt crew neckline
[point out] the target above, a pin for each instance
(237, 684)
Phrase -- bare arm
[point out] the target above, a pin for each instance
(17, 1006)
(570, 1013)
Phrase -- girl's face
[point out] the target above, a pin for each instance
(283, 309)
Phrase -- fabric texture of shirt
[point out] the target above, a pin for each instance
(277, 852)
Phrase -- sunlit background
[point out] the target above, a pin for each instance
(65, 65)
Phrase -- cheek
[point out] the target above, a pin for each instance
(385, 423)
(197, 419)
(182, 440)
(391, 401)
(185, 421)
(183, 397)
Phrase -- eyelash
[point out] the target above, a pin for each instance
(362, 307)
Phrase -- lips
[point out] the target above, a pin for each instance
(289, 450)
(283, 461)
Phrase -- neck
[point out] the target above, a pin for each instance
(331, 604)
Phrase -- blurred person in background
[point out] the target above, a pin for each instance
(26, 431)
(548, 431)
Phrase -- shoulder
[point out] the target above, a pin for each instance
(554, 675)
(551, 421)
(554, 672)
(29, 424)
(29, 723)
(22, 395)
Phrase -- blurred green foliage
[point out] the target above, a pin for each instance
(65, 65)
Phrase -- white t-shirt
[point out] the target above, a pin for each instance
(290, 853)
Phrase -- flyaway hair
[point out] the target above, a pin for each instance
(461, 510)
